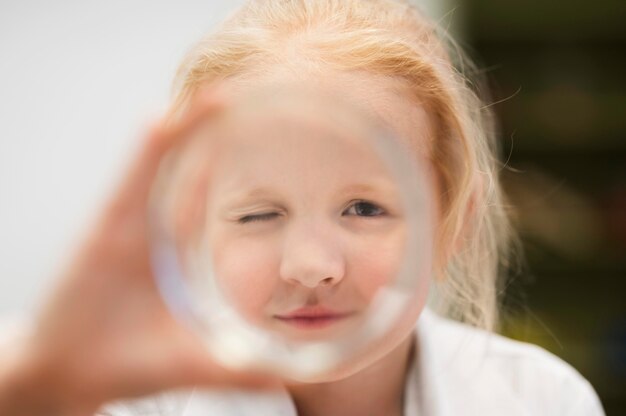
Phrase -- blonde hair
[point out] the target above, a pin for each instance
(393, 38)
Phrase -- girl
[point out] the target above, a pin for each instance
(106, 334)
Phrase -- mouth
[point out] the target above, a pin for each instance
(313, 317)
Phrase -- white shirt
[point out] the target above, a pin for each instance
(458, 370)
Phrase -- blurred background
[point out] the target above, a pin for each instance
(80, 79)
(557, 72)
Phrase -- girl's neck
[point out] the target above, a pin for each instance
(376, 390)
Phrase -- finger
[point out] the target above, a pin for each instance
(135, 189)
(206, 101)
(140, 386)
(211, 374)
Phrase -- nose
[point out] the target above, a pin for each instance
(312, 258)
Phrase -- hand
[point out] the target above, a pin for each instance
(105, 332)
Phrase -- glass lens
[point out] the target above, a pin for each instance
(294, 232)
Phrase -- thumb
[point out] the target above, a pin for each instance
(134, 191)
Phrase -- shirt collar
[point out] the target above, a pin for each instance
(423, 390)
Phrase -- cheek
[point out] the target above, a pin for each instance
(375, 262)
(246, 272)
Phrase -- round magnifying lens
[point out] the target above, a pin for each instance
(294, 232)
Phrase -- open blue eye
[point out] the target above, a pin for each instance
(364, 209)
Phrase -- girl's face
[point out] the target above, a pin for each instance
(306, 224)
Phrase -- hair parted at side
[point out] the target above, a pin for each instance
(388, 37)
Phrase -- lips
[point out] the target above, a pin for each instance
(313, 317)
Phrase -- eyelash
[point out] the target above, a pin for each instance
(257, 217)
(271, 215)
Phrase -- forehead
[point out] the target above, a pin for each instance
(389, 98)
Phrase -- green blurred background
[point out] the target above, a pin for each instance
(557, 72)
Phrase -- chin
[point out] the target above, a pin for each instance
(396, 342)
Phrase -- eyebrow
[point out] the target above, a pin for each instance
(263, 192)
(358, 188)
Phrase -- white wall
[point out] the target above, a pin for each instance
(78, 80)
